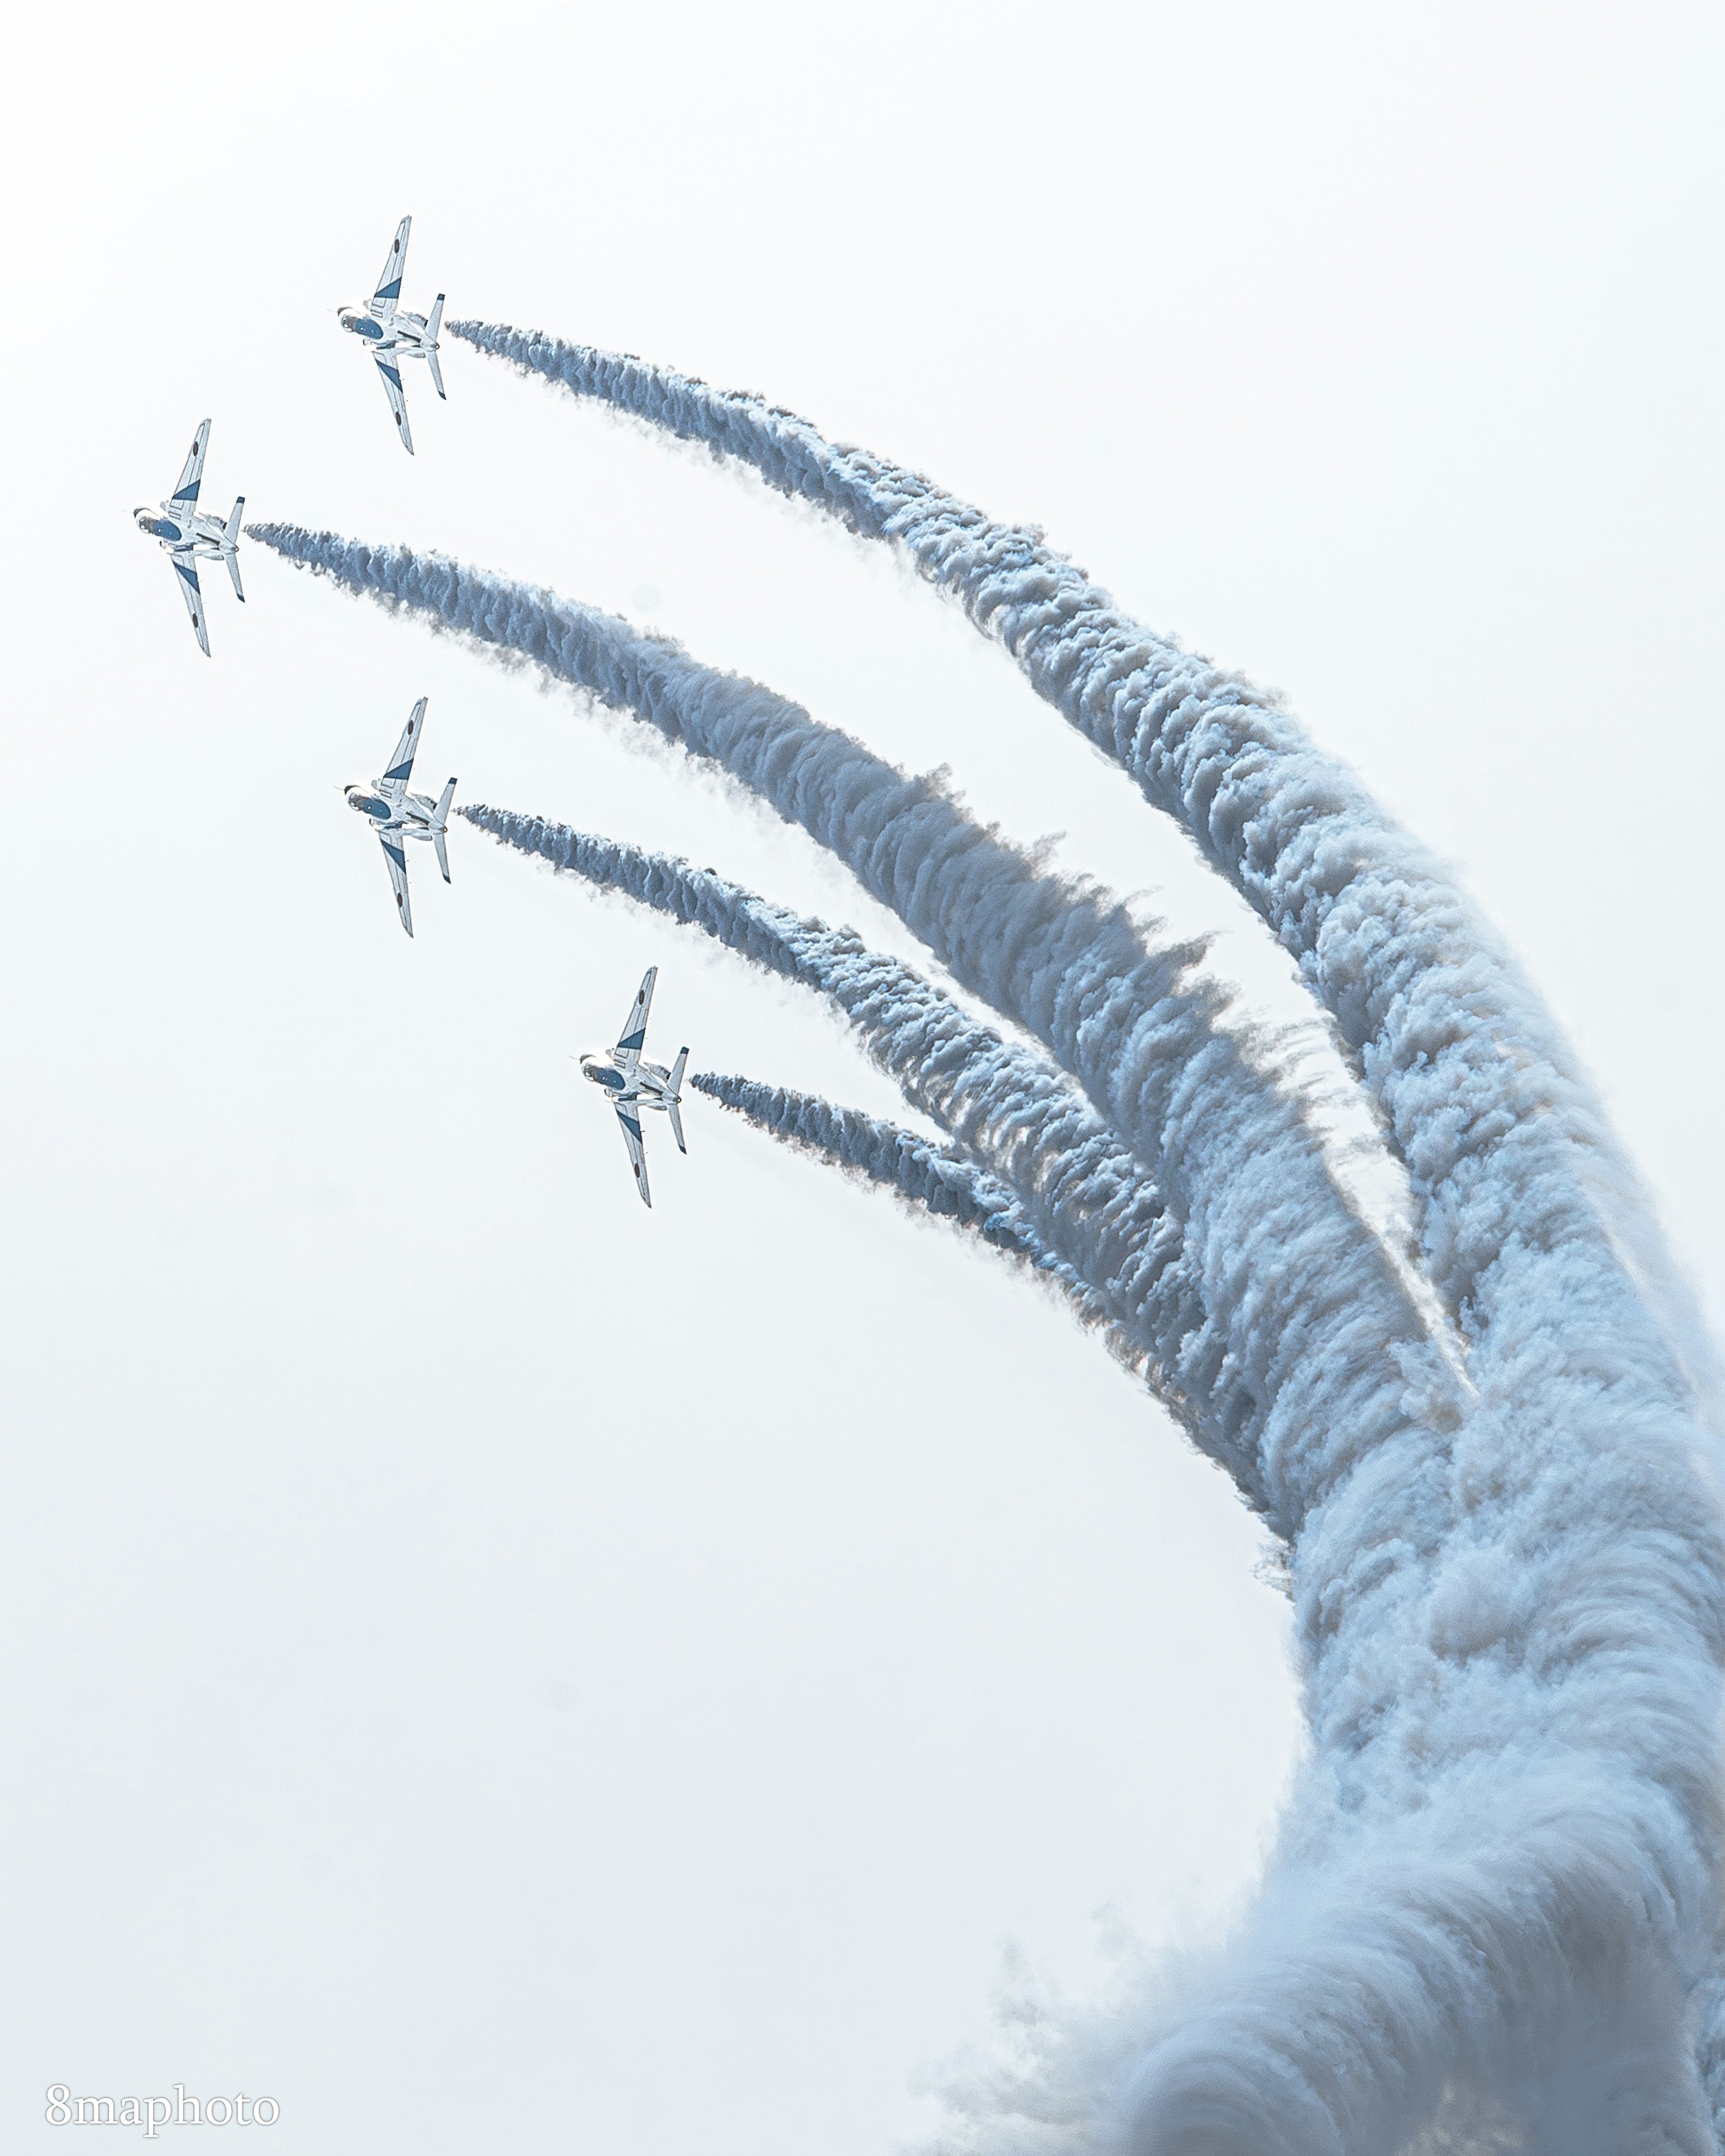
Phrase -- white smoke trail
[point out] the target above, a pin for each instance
(936, 1180)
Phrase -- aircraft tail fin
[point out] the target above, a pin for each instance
(673, 1105)
(230, 537)
(438, 838)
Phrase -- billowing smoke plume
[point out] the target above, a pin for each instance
(1579, 1568)
(937, 1178)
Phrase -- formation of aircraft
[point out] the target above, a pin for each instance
(631, 1084)
(396, 815)
(187, 538)
(392, 335)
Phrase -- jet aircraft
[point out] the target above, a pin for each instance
(397, 815)
(186, 537)
(391, 334)
(632, 1085)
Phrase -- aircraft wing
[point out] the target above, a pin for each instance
(630, 1123)
(186, 577)
(387, 296)
(394, 781)
(396, 857)
(390, 375)
(632, 1038)
(184, 497)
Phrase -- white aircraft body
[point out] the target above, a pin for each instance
(392, 335)
(397, 815)
(632, 1085)
(187, 538)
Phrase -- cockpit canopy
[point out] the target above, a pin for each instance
(367, 804)
(158, 527)
(361, 324)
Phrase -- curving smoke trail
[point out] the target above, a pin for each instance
(936, 1178)
(1327, 1337)
(1581, 1575)
(1006, 1108)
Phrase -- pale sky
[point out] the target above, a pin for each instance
(490, 1667)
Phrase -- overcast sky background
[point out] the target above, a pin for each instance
(490, 1666)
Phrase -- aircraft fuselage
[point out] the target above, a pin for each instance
(205, 536)
(648, 1085)
(413, 819)
(399, 332)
